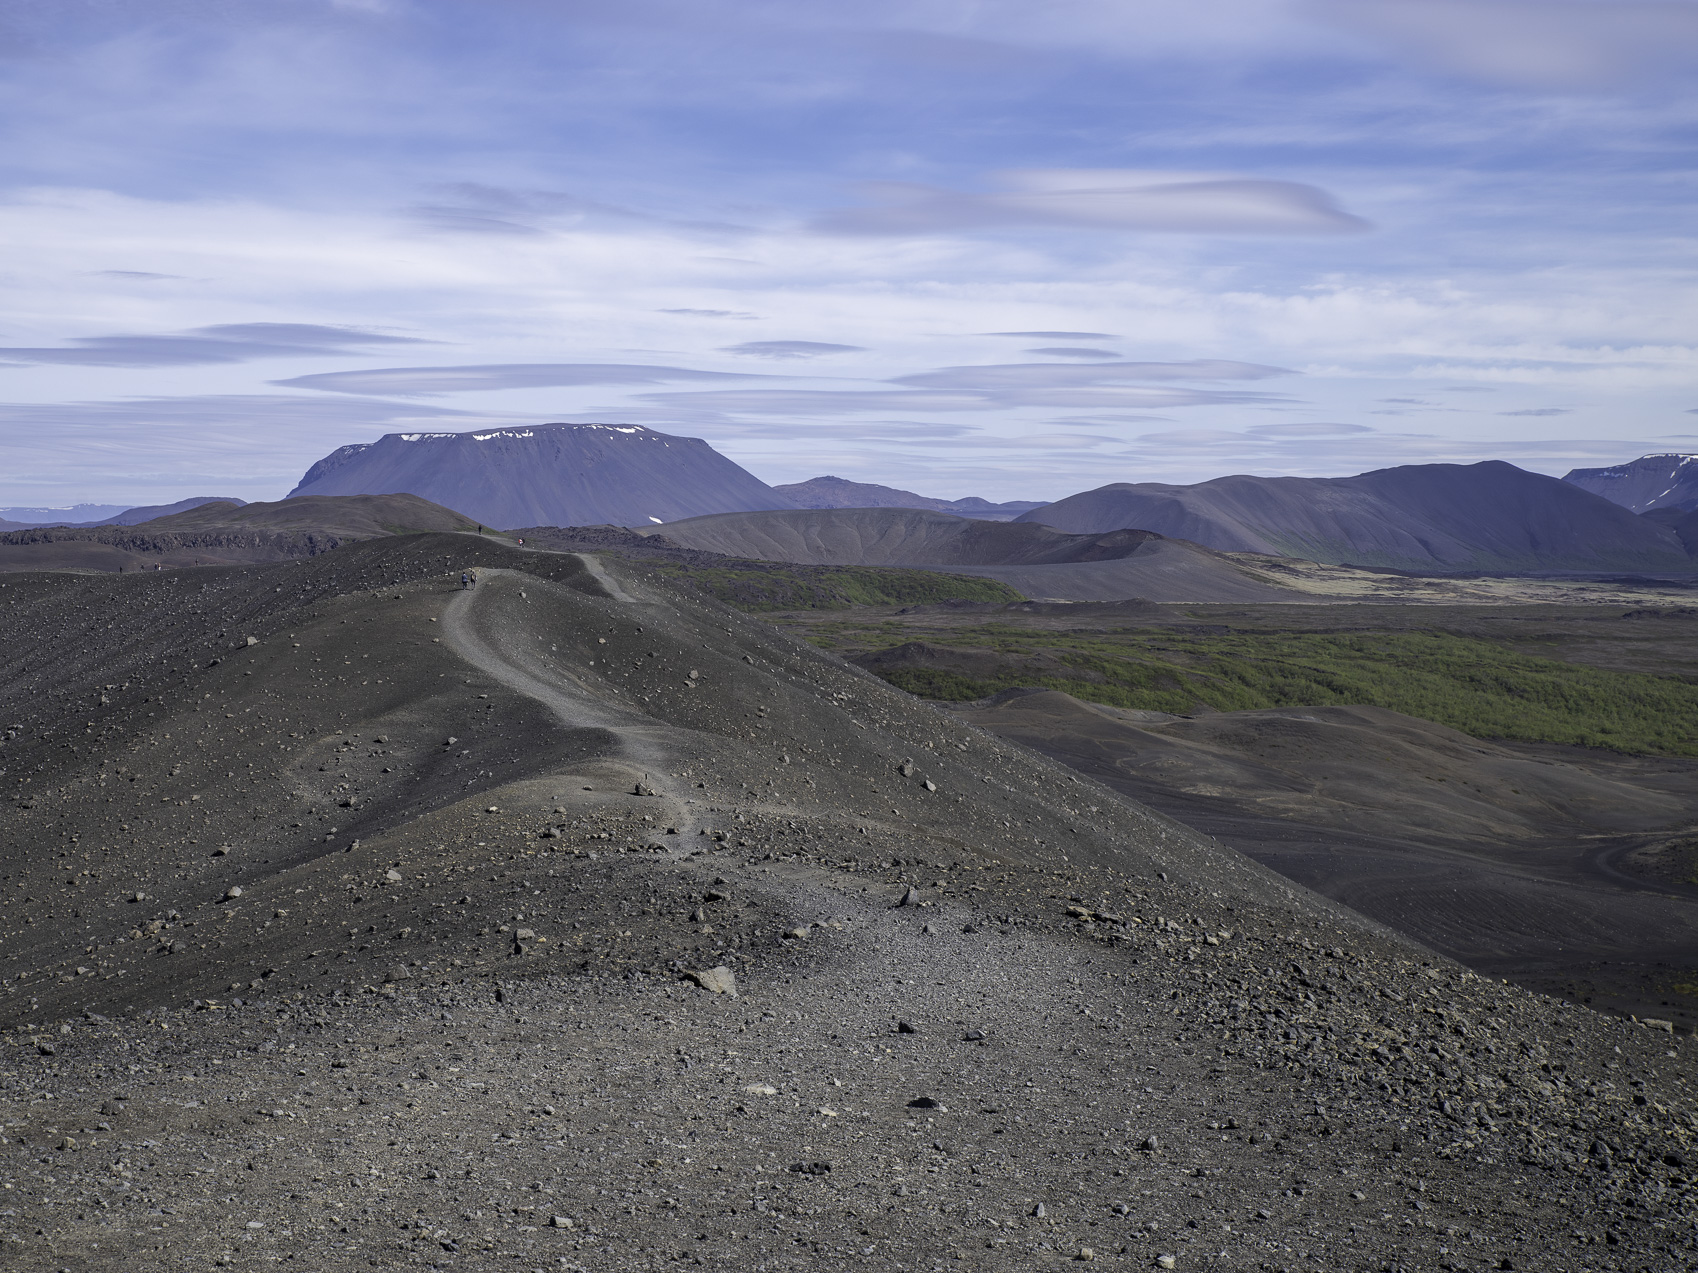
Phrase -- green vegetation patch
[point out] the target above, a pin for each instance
(836, 587)
(1479, 687)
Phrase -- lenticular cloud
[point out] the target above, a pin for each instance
(1103, 199)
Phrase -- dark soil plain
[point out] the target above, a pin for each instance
(1516, 786)
(353, 920)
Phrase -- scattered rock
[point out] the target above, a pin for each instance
(928, 1102)
(719, 981)
(904, 1027)
(232, 893)
(910, 897)
(811, 1168)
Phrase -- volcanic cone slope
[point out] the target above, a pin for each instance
(573, 921)
(1036, 560)
(227, 532)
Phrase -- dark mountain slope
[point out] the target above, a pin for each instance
(1035, 560)
(1651, 481)
(547, 475)
(837, 492)
(406, 914)
(1438, 517)
(1683, 522)
(891, 537)
(225, 532)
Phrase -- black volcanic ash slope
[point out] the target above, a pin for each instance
(1033, 559)
(1441, 517)
(547, 475)
(227, 532)
(433, 865)
(1650, 482)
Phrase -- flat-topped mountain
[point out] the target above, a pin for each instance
(1436, 517)
(1651, 481)
(838, 492)
(547, 475)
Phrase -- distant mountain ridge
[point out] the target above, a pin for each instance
(1650, 482)
(112, 515)
(226, 532)
(1423, 517)
(547, 475)
(838, 492)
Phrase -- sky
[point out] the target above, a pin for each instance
(986, 248)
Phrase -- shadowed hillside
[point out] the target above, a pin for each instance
(225, 532)
(1650, 482)
(1035, 560)
(1449, 517)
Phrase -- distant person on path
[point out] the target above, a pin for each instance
(465, 580)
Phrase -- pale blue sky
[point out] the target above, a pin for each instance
(1002, 249)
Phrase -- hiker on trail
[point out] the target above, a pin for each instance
(465, 580)
(474, 579)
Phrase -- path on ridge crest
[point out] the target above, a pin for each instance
(469, 631)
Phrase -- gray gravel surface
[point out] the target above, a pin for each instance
(467, 1011)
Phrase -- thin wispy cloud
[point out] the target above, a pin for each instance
(1565, 46)
(548, 375)
(226, 343)
(1057, 335)
(261, 213)
(1101, 200)
(786, 349)
(1020, 376)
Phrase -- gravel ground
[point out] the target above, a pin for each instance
(471, 1007)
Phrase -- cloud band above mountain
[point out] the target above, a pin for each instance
(536, 375)
(1105, 199)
